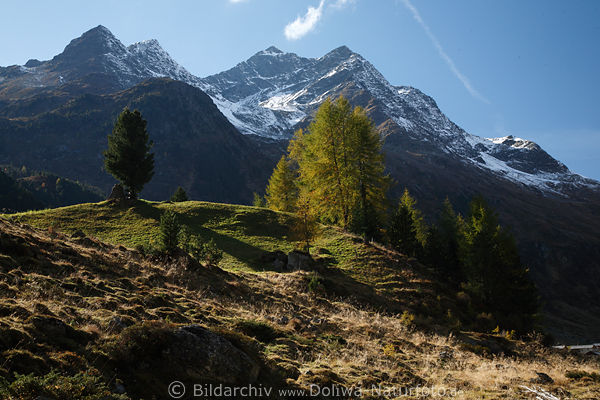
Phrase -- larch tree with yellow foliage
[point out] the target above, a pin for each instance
(340, 167)
(282, 192)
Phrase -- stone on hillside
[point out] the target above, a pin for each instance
(117, 193)
(300, 260)
(210, 357)
(78, 234)
(542, 378)
(275, 259)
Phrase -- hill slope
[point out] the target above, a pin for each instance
(113, 323)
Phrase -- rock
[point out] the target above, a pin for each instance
(119, 388)
(118, 323)
(53, 330)
(446, 354)
(78, 234)
(541, 378)
(210, 357)
(300, 260)
(117, 193)
(275, 259)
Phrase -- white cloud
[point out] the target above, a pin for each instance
(304, 24)
(237, 1)
(465, 81)
(341, 3)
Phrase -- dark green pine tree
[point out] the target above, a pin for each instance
(434, 251)
(442, 247)
(402, 232)
(493, 269)
(128, 156)
(179, 195)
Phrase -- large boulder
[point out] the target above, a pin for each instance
(117, 193)
(300, 260)
(211, 357)
(276, 260)
(191, 353)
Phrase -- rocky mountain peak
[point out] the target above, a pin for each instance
(93, 43)
(272, 50)
(145, 45)
(340, 53)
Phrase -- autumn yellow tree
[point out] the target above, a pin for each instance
(340, 166)
(282, 192)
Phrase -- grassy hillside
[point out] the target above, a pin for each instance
(244, 233)
(87, 316)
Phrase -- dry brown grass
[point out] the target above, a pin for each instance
(97, 288)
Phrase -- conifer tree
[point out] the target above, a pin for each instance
(179, 195)
(128, 156)
(169, 231)
(402, 232)
(282, 192)
(416, 216)
(341, 166)
(258, 200)
(305, 227)
(371, 180)
(442, 247)
(494, 271)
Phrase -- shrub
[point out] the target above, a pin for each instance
(169, 231)
(83, 386)
(212, 254)
(206, 252)
(179, 195)
(407, 319)
(139, 342)
(258, 200)
(315, 285)
(185, 239)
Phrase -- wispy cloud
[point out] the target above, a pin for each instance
(341, 3)
(436, 43)
(237, 1)
(304, 24)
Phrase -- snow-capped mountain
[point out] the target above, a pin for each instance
(95, 52)
(272, 92)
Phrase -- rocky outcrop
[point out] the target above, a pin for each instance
(293, 261)
(117, 193)
(300, 260)
(210, 357)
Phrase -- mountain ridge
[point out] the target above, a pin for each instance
(260, 96)
(283, 101)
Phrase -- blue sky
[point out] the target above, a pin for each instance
(527, 68)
